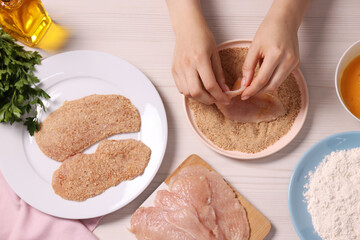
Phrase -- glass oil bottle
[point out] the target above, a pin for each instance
(26, 20)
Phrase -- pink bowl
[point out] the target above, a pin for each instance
(283, 141)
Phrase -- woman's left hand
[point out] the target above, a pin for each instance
(276, 49)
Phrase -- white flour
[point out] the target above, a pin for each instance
(333, 196)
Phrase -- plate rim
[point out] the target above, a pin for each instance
(296, 170)
(162, 113)
(300, 79)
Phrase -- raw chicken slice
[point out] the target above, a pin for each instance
(231, 216)
(237, 90)
(182, 214)
(196, 190)
(263, 107)
(150, 224)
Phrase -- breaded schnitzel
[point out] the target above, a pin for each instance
(80, 123)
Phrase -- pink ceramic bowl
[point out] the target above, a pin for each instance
(282, 142)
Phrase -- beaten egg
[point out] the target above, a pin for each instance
(350, 86)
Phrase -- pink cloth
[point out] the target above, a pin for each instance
(20, 221)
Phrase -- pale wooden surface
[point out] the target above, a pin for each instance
(140, 32)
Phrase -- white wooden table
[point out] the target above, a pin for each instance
(139, 31)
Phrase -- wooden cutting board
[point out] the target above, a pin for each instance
(259, 225)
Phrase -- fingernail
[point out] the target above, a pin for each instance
(244, 98)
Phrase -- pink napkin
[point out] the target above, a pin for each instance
(19, 221)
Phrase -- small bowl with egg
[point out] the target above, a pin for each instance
(347, 80)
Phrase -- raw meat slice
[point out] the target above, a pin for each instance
(263, 107)
(196, 190)
(231, 216)
(80, 123)
(182, 214)
(150, 224)
(87, 175)
(237, 89)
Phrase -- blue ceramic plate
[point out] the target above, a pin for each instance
(300, 218)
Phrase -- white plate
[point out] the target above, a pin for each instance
(69, 76)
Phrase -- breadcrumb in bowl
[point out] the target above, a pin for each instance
(250, 140)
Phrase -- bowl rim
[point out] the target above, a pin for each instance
(299, 173)
(278, 145)
(337, 80)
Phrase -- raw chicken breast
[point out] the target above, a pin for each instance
(231, 216)
(263, 107)
(237, 90)
(196, 190)
(182, 214)
(199, 205)
(150, 224)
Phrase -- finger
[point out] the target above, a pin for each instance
(184, 87)
(248, 69)
(265, 72)
(181, 83)
(218, 71)
(278, 77)
(177, 81)
(196, 89)
(209, 81)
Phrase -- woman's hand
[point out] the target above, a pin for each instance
(275, 47)
(196, 67)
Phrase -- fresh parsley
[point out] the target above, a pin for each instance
(19, 94)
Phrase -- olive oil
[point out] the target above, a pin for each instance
(25, 20)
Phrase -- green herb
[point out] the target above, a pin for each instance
(19, 94)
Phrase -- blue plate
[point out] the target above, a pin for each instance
(300, 217)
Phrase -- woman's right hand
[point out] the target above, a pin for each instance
(196, 69)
